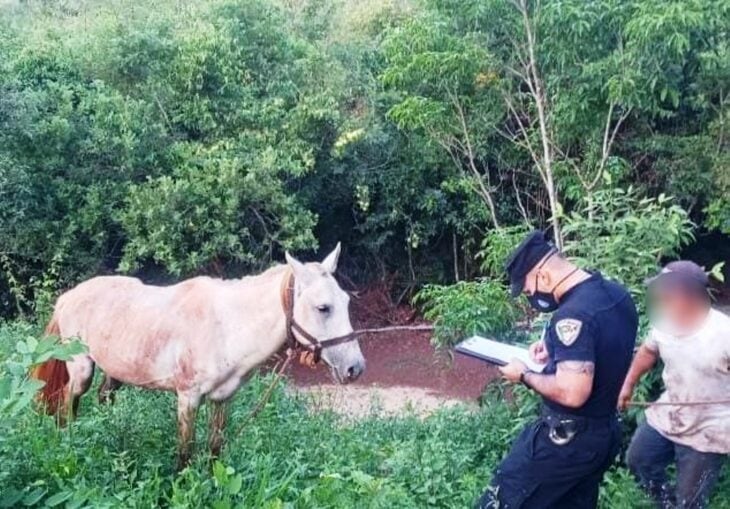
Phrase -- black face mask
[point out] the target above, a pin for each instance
(545, 302)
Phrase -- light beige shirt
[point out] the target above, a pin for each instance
(696, 368)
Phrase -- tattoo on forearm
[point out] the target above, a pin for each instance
(583, 367)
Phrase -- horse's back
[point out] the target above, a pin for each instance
(112, 292)
(97, 287)
(135, 332)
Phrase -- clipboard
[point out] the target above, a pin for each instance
(495, 352)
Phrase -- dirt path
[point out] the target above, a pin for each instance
(404, 373)
(357, 401)
(409, 360)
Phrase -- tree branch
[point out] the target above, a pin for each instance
(470, 159)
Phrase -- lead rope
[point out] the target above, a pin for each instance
(266, 396)
(678, 403)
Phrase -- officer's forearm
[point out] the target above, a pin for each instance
(643, 361)
(545, 385)
(570, 386)
(553, 389)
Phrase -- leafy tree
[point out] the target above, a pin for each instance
(626, 236)
(210, 137)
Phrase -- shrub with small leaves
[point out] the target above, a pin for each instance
(16, 388)
(468, 307)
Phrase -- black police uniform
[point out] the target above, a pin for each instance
(559, 460)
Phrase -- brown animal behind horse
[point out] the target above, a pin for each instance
(54, 374)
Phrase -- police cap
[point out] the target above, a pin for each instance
(531, 250)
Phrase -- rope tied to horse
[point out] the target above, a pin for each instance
(311, 343)
(678, 403)
(278, 371)
(281, 367)
(314, 348)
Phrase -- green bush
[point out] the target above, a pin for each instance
(483, 306)
(626, 236)
(209, 137)
(496, 247)
(20, 351)
(468, 307)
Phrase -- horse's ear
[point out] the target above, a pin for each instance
(330, 263)
(297, 267)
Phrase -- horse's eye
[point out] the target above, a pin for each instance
(324, 309)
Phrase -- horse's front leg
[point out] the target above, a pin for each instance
(218, 416)
(187, 409)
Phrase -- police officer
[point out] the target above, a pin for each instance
(559, 460)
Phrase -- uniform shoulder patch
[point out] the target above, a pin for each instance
(568, 330)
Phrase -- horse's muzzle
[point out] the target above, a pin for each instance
(346, 374)
(354, 371)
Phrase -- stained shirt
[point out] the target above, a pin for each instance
(696, 368)
(596, 322)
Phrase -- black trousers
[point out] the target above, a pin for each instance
(539, 474)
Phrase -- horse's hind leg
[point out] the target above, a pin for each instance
(107, 389)
(187, 408)
(219, 413)
(80, 374)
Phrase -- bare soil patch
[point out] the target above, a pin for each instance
(358, 401)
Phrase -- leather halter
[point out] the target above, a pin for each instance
(313, 345)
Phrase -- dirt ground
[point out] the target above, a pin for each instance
(408, 360)
(404, 371)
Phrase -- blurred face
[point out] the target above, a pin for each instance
(676, 310)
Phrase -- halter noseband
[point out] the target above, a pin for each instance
(313, 345)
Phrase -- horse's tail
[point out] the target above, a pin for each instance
(55, 375)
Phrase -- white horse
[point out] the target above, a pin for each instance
(199, 338)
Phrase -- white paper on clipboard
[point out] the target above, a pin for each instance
(496, 352)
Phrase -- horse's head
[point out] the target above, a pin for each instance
(321, 308)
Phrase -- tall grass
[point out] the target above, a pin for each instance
(287, 457)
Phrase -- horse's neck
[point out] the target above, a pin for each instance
(260, 300)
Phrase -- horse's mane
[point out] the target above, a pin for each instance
(265, 276)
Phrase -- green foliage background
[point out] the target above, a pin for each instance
(207, 137)
(178, 138)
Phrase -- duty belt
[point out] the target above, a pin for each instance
(563, 428)
(561, 431)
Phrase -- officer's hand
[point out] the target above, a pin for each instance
(624, 397)
(513, 370)
(538, 352)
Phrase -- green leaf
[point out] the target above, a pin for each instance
(717, 271)
(235, 484)
(59, 498)
(34, 496)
